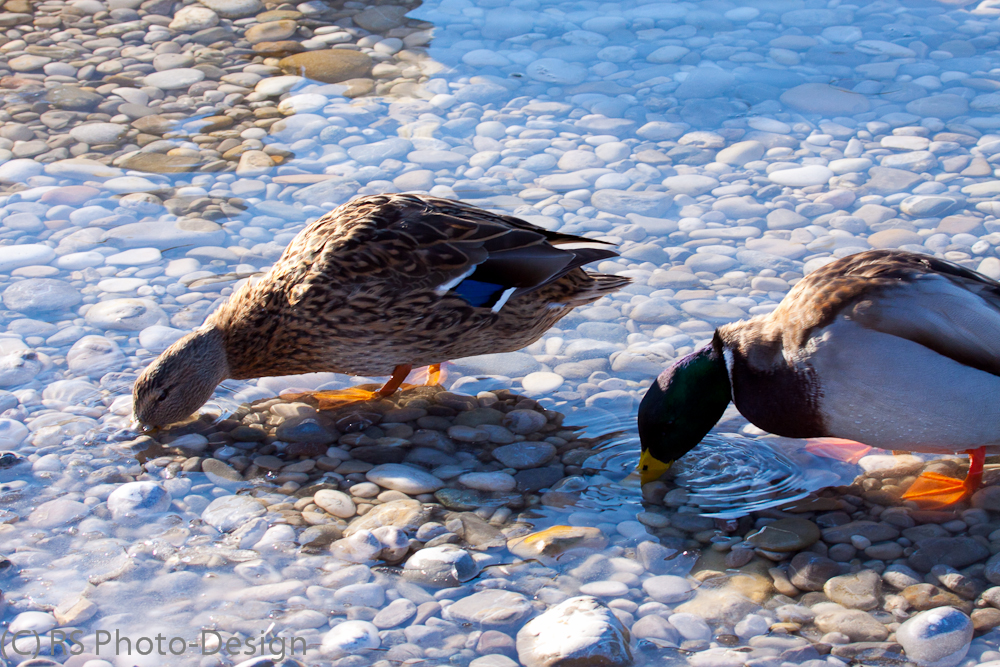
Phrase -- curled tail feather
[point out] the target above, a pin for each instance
(598, 285)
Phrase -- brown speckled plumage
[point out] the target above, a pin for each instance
(360, 290)
(355, 292)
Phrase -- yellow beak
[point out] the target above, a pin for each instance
(651, 468)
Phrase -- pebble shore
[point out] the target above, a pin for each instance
(154, 154)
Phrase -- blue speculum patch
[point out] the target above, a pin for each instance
(479, 294)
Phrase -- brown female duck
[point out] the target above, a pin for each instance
(381, 284)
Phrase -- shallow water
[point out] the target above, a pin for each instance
(729, 148)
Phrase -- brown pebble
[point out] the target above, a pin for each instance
(985, 619)
(278, 48)
(738, 557)
(781, 582)
(928, 596)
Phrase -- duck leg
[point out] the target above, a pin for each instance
(336, 398)
(933, 491)
(399, 374)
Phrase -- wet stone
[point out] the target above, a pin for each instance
(810, 572)
(328, 66)
(522, 455)
(580, 630)
(530, 481)
(305, 429)
(556, 540)
(785, 535)
(40, 295)
(957, 552)
(442, 566)
(860, 590)
(857, 625)
(229, 512)
(407, 515)
(524, 422)
(667, 588)
(939, 637)
(471, 499)
(928, 596)
(870, 530)
(491, 610)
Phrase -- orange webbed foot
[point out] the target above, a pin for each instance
(428, 376)
(933, 491)
(838, 449)
(338, 398)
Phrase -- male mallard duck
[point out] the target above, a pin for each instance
(892, 349)
(381, 284)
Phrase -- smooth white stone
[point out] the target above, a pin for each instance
(137, 500)
(278, 85)
(542, 382)
(337, 503)
(228, 512)
(57, 512)
(799, 177)
(350, 637)
(174, 79)
(134, 257)
(98, 133)
(79, 260)
(29, 254)
(126, 314)
(404, 478)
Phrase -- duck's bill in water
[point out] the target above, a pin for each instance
(650, 468)
(838, 449)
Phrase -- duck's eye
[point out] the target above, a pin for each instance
(162, 397)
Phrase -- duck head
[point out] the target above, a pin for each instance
(681, 407)
(181, 379)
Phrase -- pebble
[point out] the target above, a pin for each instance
(138, 500)
(36, 295)
(126, 315)
(442, 566)
(328, 66)
(802, 176)
(860, 590)
(193, 18)
(786, 535)
(337, 503)
(491, 610)
(524, 455)
(938, 637)
(57, 512)
(229, 512)
(14, 257)
(579, 630)
(350, 637)
(98, 133)
(403, 478)
(667, 588)
(488, 481)
(174, 79)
